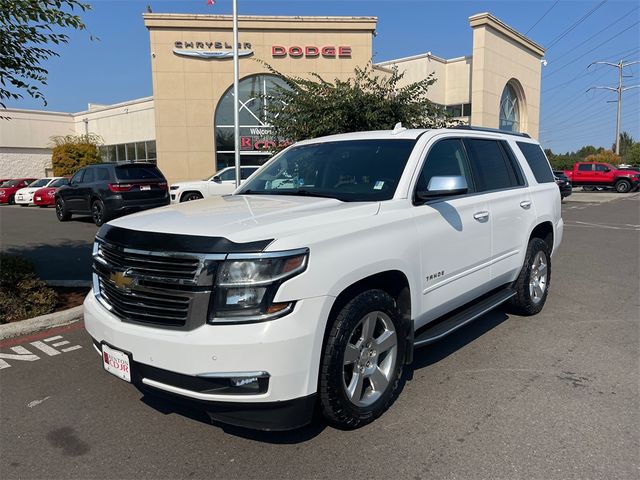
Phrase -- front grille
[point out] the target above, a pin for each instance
(163, 289)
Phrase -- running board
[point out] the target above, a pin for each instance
(450, 324)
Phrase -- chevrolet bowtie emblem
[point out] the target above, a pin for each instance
(121, 280)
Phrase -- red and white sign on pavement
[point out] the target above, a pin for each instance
(116, 362)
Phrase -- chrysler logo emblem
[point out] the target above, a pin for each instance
(121, 281)
(211, 54)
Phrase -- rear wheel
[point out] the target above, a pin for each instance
(12, 200)
(191, 196)
(61, 211)
(362, 361)
(98, 212)
(532, 285)
(622, 186)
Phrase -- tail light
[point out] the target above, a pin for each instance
(120, 187)
(163, 185)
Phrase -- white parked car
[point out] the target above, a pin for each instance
(222, 183)
(24, 196)
(313, 283)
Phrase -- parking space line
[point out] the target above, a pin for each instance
(51, 339)
(59, 344)
(71, 349)
(45, 348)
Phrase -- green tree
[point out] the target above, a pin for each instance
(72, 152)
(314, 107)
(632, 155)
(28, 29)
(626, 142)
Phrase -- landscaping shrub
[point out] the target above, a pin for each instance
(72, 152)
(22, 294)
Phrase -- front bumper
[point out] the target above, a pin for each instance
(288, 349)
(24, 199)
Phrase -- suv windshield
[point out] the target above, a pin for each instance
(137, 172)
(352, 171)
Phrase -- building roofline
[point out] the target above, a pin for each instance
(33, 110)
(115, 105)
(486, 19)
(164, 20)
(428, 55)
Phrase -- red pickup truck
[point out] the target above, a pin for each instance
(597, 174)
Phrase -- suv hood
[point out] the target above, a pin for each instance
(191, 184)
(247, 218)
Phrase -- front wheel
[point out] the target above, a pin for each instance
(12, 200)
(532, 285)
(61, 211)
(362, 361)
(191, 196)
(622, 186)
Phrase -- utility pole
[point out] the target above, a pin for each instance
(619, 89)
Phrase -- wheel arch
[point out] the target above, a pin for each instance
(187, 192)
(544, 231)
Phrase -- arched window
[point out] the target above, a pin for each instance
(255, 131)
(509, 109)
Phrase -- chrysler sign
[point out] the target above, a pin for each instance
(220, 49)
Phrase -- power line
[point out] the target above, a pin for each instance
(568, 52)
(578, 22)
(594, 48)
(540, 19)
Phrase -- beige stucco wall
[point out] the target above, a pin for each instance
(186, 90)
(499, 55)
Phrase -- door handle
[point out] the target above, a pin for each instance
(526, 204)
(481, 216)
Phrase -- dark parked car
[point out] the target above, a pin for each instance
(105, 191)
(563, 182)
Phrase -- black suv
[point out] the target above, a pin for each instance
(107, 190)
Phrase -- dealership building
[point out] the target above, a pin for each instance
(187, 125)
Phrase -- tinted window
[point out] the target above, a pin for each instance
(585, 167)
(537, 161)
(138, 172)
(246, 172)
(40, 183)
(228, 175)
(77, 178)
(446, 158)
(349, 170)
(491, 168)
(89, 176)
(102, 174)
(601, 167)
(59, 182)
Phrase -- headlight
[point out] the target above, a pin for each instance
(246, 285)
(174, 187)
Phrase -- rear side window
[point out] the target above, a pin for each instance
(537, 161)
(102, 174)
(138, 172)
(89, 176)
(491, 168)
(585, 167)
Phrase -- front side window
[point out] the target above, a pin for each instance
(59, 182)
(89, 176)
(491, 168)
(77, 178)
(603, 167)
(446, 158)
(351, 170)
(228, 175)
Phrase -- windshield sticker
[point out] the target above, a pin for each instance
(378, 186)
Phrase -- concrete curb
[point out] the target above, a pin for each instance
(43, 322)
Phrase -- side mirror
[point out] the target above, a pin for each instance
(445, 185)
(607, 169)
(217, 179)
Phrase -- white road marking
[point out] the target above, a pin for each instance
(51, 339)
(59, 344)
(45, 348)
(22, 354)
(35, 403)
(71, 349)
(634, 228)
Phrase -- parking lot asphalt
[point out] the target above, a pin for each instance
(554, 396)
(61, 251)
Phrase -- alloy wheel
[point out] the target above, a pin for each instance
(538, 279)
(370, 358)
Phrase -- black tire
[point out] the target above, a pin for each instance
(588, 188)
(190, 196)
(334, 401)
(524, 303)
(12, 200)
(623, 186)
(99, 213)
(61, 211)
(24, 205)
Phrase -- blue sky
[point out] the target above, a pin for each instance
(117, 67)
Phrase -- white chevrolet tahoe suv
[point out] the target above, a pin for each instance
(312, 284)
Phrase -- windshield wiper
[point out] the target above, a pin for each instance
(302, 192)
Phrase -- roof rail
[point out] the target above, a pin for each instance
(486, 129)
